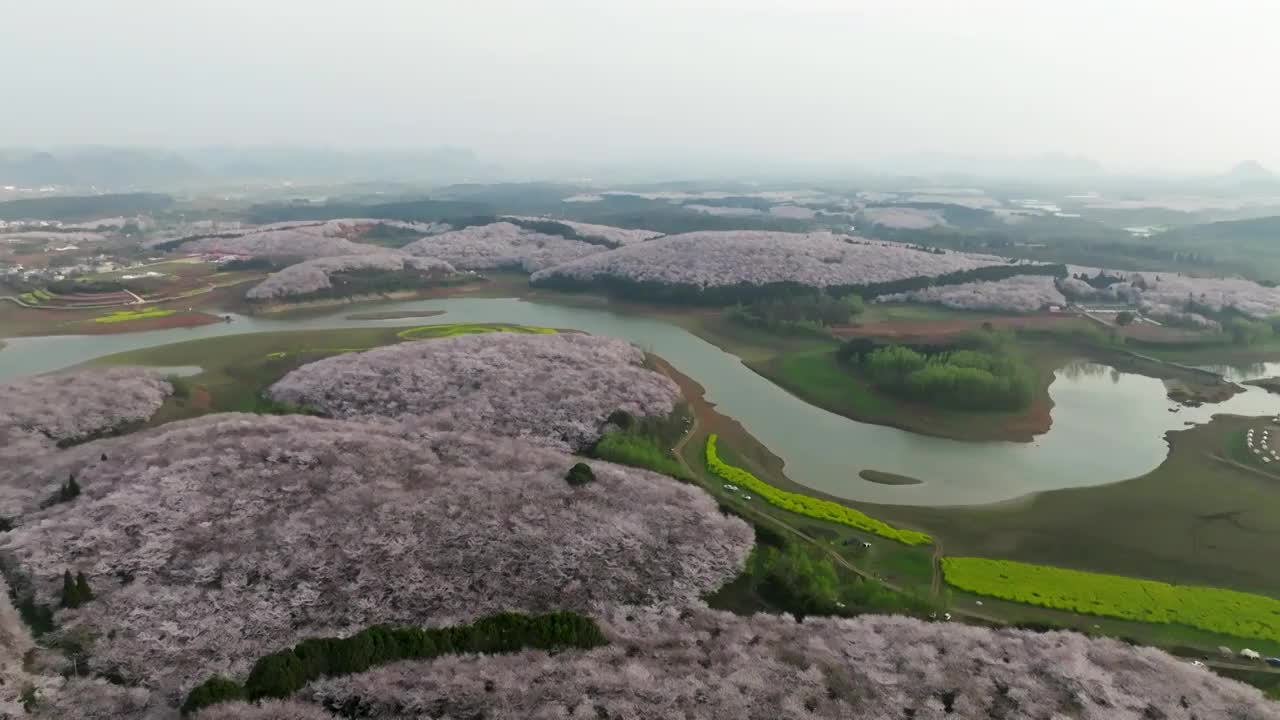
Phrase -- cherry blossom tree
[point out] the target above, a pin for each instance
(907, 218)
(719, 258)
(556, 389)
(213, 541)
(501, 245)
(37, 414)
(607, 234)
(698, 663)
(309, 240)
(1022, 293)
(313, 275)
(15, 641)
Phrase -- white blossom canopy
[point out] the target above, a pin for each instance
(312, 275)
(699, 663)
(213, 541)
(1021, 293)
(718, 258)
(38, 413)
(501, 245)
(557, 389)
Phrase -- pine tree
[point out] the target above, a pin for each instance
(83, 593)
(70, 490)
(70, 596)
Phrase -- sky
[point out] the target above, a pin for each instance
(1138, 86)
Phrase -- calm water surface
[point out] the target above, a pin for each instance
(1107, 426)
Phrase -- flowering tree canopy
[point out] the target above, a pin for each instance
(698, 663)
(557, 389)
(719, 258)
(313, 275)
(1021, 293)
(501, 245)
(906, 218)
(606, 234)
(1167, 293)
(38, 414)
(213, 541)
(294, 239)
(15, 641)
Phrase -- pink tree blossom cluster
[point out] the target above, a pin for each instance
(15, 641)
(717, 258)
(86, 698)
(1021, 293)
(605, 233)
(698, 663)
(723, 210)
(907, 218)
(37, 413)
(501, 245)
(213, 541)
(1169, 293)
(309, 240)
(312, 275)
(557, 390)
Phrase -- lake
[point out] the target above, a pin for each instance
(1107, 426)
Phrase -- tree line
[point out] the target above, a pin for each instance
(960, 379)
(283, 673)
(790, 313)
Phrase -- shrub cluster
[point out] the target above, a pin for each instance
(1225, 611)
(811, 310)
(806, 505)
(283, 673)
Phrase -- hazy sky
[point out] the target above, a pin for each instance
(1187, 86)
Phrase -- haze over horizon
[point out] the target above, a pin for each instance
(1138, 87)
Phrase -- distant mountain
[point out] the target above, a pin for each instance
(1250, 172)
(110, 167)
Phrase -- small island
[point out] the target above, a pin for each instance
(394, 315)
(887, 478)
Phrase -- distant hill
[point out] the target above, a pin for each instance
(1248, 247)
(1261, 229)
(417, 210)
(1250, 172)
(83, 208)
(103, 166)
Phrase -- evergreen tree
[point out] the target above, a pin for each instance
(70, 596)
(83, 593)
(70, 490)
(580, 474)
